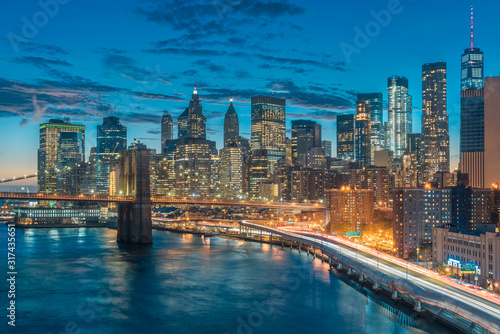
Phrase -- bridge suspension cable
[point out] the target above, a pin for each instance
(55, 169)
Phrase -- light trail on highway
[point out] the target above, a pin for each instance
(398, 269)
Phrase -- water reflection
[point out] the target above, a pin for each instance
(184, 284)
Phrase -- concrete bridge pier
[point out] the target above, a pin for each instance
(395, 295)
(339, 266)
(418, 307)
(134, 219)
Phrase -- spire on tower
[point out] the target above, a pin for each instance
(471, 27)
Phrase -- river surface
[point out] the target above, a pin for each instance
(80, 280)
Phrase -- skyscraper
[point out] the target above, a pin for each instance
(345, 136)
(435, 139)
(70, 153)
(400, 115)
(268, 127)
(327, 147)
(48, 153)
(258, 172)
(231, 125)
(305, 135)
(167, 130)
(375, 102)
(491, 131)
(192, 123)
(472, 115)
(192, 155)
(193, 168)
(111, 139)
(231, 171)
(362, 140)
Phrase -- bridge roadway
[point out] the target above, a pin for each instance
(420, 284)
(163, 200)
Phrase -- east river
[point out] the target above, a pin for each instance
(80, 280)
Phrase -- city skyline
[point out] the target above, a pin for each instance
(29, 100)
(159, 156)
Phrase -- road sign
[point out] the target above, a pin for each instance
(355, 234)
(468, 268)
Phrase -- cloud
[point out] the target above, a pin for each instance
(278, 61)
(220, 28)
(128, 68)
(76, 97)
(209, 15)
(186, 52)
(210, 114)
(40, 62)
(209, 65)
(152, 96)
(322, 102)
(37, 48)
(154, 132)
(304, 97)
(108, 51)
(147, 138)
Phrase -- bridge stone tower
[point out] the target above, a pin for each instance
(132, 176)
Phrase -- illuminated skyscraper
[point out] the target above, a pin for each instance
(491, 131)
(231, 125)
(375, 102)
(327, 147)
(305, 135)
(258, 172)
(192, 123)
(193, 168)
(268, 127)
(231, 171)
(400, 115)
(362, 140)
(435, 139)
(193, 153)
(72, 151)
(167, 130)
(472, 115)
(345, 136)
(111, 139)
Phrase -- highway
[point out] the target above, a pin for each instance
(428, 280)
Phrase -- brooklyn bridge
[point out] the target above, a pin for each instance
(134, 202)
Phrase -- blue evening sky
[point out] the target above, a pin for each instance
(134, 59)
